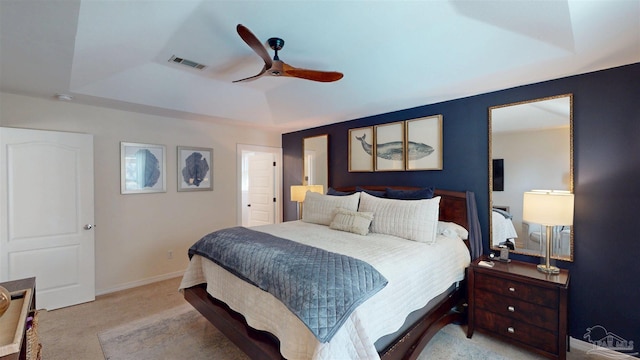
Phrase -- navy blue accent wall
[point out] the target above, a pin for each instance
(605, 276)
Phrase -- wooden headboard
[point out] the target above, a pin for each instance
(453, 204)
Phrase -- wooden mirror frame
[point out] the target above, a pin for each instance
(570, 184)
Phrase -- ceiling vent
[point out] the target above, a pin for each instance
(186, 62)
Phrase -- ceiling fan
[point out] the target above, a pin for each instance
(277, 67)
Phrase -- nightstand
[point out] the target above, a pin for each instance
(521, 305)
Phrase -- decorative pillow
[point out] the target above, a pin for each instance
(335, 192)
(414, 220)
(376, 193)
(419, 194)
(352, 221)
(319, 209)
(452, 230)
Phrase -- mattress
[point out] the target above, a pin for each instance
(417, 272)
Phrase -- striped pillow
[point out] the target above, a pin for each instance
(415, 220)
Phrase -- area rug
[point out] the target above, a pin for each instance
(182, 333)
(178, 333)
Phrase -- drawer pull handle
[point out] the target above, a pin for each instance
(512, 289)
(511, 309)
(511, 330)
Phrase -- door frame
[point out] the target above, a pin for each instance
(244, 148)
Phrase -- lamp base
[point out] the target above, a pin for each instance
(548, 269)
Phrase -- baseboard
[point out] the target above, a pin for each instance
(137, 283)
(591, 348)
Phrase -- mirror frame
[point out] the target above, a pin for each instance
(571, 172)
(304, 159)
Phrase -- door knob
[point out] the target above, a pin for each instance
(248, 205)
(89, 226)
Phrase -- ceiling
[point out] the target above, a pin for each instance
(394, 54)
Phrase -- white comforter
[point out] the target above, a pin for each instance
(417, 272)
(502, 228)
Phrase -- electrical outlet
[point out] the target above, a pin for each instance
(170, 254)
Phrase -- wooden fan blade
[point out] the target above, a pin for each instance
(264, 70)
(315, 75)
(255, 44)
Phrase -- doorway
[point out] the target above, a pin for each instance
(260, 195)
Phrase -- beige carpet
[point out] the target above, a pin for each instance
(73, 332)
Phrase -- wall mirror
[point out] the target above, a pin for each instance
(315, 167)
(530, 147)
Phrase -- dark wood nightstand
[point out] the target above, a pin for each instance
(521, 305)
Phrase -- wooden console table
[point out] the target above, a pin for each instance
(13, 323)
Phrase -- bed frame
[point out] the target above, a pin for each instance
(263, 345)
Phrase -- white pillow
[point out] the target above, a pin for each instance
(320, 209)
(352, 221)
(452, 230)
(410, 219)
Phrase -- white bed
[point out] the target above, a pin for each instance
(502, 229)
(417, 272)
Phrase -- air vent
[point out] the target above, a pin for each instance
(186, 62)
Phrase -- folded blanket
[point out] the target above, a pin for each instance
(320, 287)
(503, 213)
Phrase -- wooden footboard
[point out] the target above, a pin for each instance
(263, 345)
(451, 309)
(256, 344)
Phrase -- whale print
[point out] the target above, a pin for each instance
(393, 150)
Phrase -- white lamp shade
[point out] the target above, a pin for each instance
(299, 192)
(549, 208)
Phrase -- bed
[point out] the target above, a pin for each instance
(502, 229)
(394, 323)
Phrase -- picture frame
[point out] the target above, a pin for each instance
(389, 147)
(424, 143)
(361, 151)
(142, 168)
(195, 168)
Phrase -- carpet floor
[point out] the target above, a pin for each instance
(155, 322)
(182, 333)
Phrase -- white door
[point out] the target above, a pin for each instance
(46, 217)
(254, 206)
(261, 195)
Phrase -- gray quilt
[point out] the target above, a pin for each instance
(320, 287)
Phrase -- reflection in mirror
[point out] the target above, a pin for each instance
(530, 147)
(315, 164)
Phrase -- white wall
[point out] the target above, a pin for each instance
(532, 160)
(135, 232)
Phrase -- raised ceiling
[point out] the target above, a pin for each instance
(394, 54)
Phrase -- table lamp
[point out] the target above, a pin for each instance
(549, 208)
(299, 192)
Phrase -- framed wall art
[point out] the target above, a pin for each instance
(361, 149)
(142, 168)
(195, 167)
(424, 143)
(389, 147)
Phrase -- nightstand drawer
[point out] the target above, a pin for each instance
(526, 292)
(518, 331)
(533, 314)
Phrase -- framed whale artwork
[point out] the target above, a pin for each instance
(389, 146)
(361, 149)
(424, 143)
